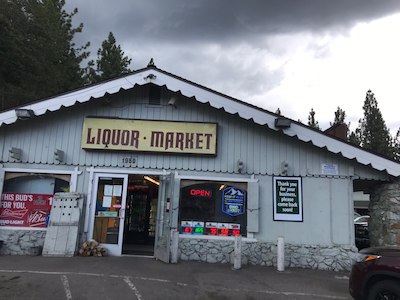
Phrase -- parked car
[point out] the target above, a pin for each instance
(361, 232)
(377, 276)
(361, 220)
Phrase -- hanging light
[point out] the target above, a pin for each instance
(151, 180)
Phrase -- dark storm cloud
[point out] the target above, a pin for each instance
(223, 20)
(227, 45)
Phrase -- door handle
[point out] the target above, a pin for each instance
(121, 213)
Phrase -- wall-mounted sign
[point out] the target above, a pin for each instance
(25, 210)
(233, 201)
(329, 169)
(288, 202)
(149, 136)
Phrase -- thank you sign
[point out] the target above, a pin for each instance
(288, 204)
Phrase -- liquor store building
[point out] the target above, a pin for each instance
(171, 169)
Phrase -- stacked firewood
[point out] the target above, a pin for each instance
(92, 248)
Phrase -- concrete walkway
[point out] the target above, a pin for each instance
(37, 277)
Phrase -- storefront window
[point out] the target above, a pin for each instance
(213, 208)
(26, 198)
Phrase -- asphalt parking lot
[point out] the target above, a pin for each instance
(27, 277)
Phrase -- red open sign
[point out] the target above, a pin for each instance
(200, 193)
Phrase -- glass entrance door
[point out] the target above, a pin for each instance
(109, 211)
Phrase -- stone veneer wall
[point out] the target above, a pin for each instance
(384, 223)
(22, 242)
(334, 258)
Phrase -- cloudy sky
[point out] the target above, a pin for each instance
(289, 54)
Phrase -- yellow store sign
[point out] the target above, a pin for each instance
(149, 136)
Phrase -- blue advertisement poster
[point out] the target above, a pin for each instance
(233, 201)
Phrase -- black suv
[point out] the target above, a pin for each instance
(377, 276)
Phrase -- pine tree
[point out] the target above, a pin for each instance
(13, 54)
(340, 116)
(341, 127)
(111, 61)
(354, 138)
(311, 120)
(37, 55)
(372, 132)
(396, 146)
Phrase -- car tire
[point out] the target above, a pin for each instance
(385, 289)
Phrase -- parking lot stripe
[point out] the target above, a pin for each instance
(54, 273)
(129, 282)
(67, 290)
(92, 274)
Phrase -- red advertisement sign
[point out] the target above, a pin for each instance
(25, 210)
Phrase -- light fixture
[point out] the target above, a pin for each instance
(23, 114)
(15, 153)
(222, 186)
(151, 180)
(59, 155)
(172, 101)
(240, 166)
(284, 168)
(282, 123)
(150, 77)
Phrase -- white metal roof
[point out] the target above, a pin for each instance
(216, 100)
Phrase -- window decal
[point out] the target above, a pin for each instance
(233, 201)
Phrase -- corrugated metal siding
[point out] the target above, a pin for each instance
(261, 149)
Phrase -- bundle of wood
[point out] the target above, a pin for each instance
(92, 248)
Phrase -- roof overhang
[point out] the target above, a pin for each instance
(214, 99)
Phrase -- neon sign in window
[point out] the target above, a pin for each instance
(200, 193)
(219, 206)
(210, 228)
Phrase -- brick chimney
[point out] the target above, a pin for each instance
(338, 130)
